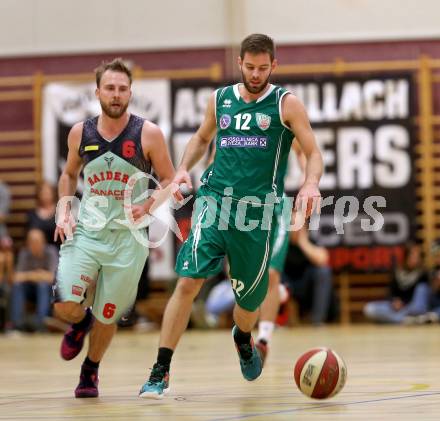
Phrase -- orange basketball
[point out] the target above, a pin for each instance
(320, 373)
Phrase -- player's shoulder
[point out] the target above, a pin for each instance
(75, 133)
(219, 93)
(151, 130)
(77, 128)
(280, 91)
(224, 88)
(291, 101)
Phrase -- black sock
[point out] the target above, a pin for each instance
(88, 362)
(84, 322)
(164, 356)
(241, 337)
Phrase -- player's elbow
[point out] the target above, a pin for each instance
(204, 140)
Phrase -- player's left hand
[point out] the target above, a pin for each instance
(308, 199)
(136, 213)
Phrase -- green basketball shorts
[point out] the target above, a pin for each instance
(222, 226)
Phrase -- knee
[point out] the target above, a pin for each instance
(188, 287)
(245, 319)
(99, 326)
(69, 311)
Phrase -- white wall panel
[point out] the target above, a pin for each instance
(61, 26)
(307, 21)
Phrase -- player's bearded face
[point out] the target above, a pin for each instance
(256, 71)
(114, 93)
(115, 108)
(254, 85)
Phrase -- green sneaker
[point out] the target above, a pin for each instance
(157, 386)
(250, 359)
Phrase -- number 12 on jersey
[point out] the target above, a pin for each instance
(242, 121)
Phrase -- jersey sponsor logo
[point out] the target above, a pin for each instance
(263, 121)
(117, 194)
(108, 176)
(225, 121)
(87, 279)
(227, 103)
(91, 148)
(109, 160)
(77, 290)
(243, 142)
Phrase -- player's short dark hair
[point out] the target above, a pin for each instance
(257, 44)
(116, 65)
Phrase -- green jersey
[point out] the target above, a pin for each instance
(252, 144)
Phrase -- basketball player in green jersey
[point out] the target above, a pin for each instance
(254, 124)
(270, 306)
(100, 264)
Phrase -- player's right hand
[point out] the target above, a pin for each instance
(308, 199)
(182, 177)
(65, 228)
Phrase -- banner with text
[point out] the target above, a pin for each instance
(363, 125)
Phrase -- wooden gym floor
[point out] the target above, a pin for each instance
(393, 374)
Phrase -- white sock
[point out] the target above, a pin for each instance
(265, 330)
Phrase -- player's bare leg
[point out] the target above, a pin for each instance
(100, 337)
(174, 323)
(250, 359)
(268, 313)
(243, 319)
(178, 311)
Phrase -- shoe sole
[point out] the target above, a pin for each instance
(154, 395)
(86, 395)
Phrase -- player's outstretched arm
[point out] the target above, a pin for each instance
(295, 116)
(68, 182)
(198, 144)
(301, 158)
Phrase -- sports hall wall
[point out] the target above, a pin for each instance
(196, 46)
